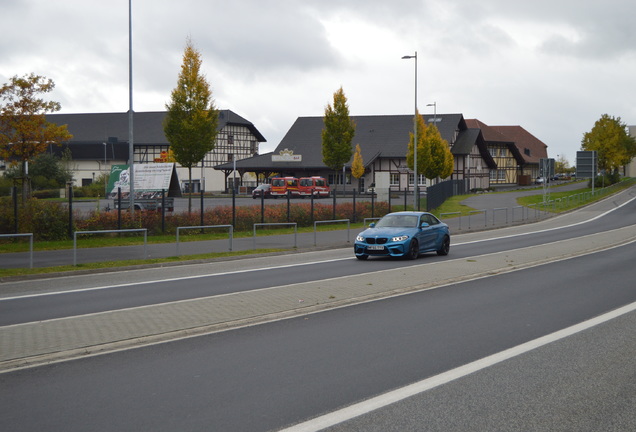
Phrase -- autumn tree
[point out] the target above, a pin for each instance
(357, 166)
(609, 138)
(441, 158)
(24, 131)
(337, 134)
(434, 158)
(192, 120)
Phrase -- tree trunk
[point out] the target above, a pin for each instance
(26, 192)
(190, 189)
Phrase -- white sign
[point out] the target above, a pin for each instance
(148, 177)
(286, 156)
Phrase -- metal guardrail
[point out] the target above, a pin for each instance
(144, 230)
(294, 224)
(470, 213)
(441, 215)
(30, 235)
(364, 221)
(333, 221)
(231, 232)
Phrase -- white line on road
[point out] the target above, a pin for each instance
(288, 265)
(391, 397)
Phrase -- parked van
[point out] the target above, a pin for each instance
(282, 186)
(316, 186)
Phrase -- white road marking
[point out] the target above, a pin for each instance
(290, 265)
(394, 396)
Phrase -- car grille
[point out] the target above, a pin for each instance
(380, 240)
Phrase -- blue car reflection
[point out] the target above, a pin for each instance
(403, 234)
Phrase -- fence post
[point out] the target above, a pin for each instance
(354, 205)
(70, 210)
(15, 208)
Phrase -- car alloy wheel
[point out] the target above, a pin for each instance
(414, 250)
(445, 247)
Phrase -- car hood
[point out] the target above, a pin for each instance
(388, 232)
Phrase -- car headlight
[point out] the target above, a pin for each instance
(399, 238)
(360, 238)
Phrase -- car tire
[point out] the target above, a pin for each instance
(445, 247)
(414, 250)
(362, 257)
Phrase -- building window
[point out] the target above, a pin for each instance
(421, 179)
(336, 179)
(394, 179)
(230, 157)
(502, 152)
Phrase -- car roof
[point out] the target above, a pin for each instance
(411, 213)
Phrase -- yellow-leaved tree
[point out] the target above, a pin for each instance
(357, 166)
(24, 131)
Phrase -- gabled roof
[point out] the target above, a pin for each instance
(490, 134)
(384, 136)
(147, 126)
(494, 136)
(469, 138)
(530, 147)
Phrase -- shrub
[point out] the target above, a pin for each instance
(46, 220)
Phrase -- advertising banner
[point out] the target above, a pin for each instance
(150, 180)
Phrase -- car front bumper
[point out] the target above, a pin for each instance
(388, 249)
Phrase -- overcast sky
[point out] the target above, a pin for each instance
(553, 67)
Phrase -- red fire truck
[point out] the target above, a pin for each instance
(316, 186)
(282, 186)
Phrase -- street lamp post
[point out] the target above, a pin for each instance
(416, 201)
(106, 172)
(434, 105)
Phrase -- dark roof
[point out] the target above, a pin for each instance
(469, 138)
(525, 142)
(519, 141)
(147, 126)
(93, 151)
(384, 136)
(490, 134)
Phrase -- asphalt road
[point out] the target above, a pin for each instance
(269, 376)
(72, 303)
(286, 372)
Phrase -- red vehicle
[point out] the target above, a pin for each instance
(283, 186)
(316, 186)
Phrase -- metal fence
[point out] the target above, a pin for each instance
(440, 192)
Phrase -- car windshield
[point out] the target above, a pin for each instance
(406, 221)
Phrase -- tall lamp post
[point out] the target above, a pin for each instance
(131, 145)
(416, 201)
(434, 105)
(106, 172)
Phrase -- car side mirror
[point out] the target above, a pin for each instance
(372, 225)
(424, 225)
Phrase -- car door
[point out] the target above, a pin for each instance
(425, 235)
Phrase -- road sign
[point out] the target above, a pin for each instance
(586, 164)
(546, 167)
